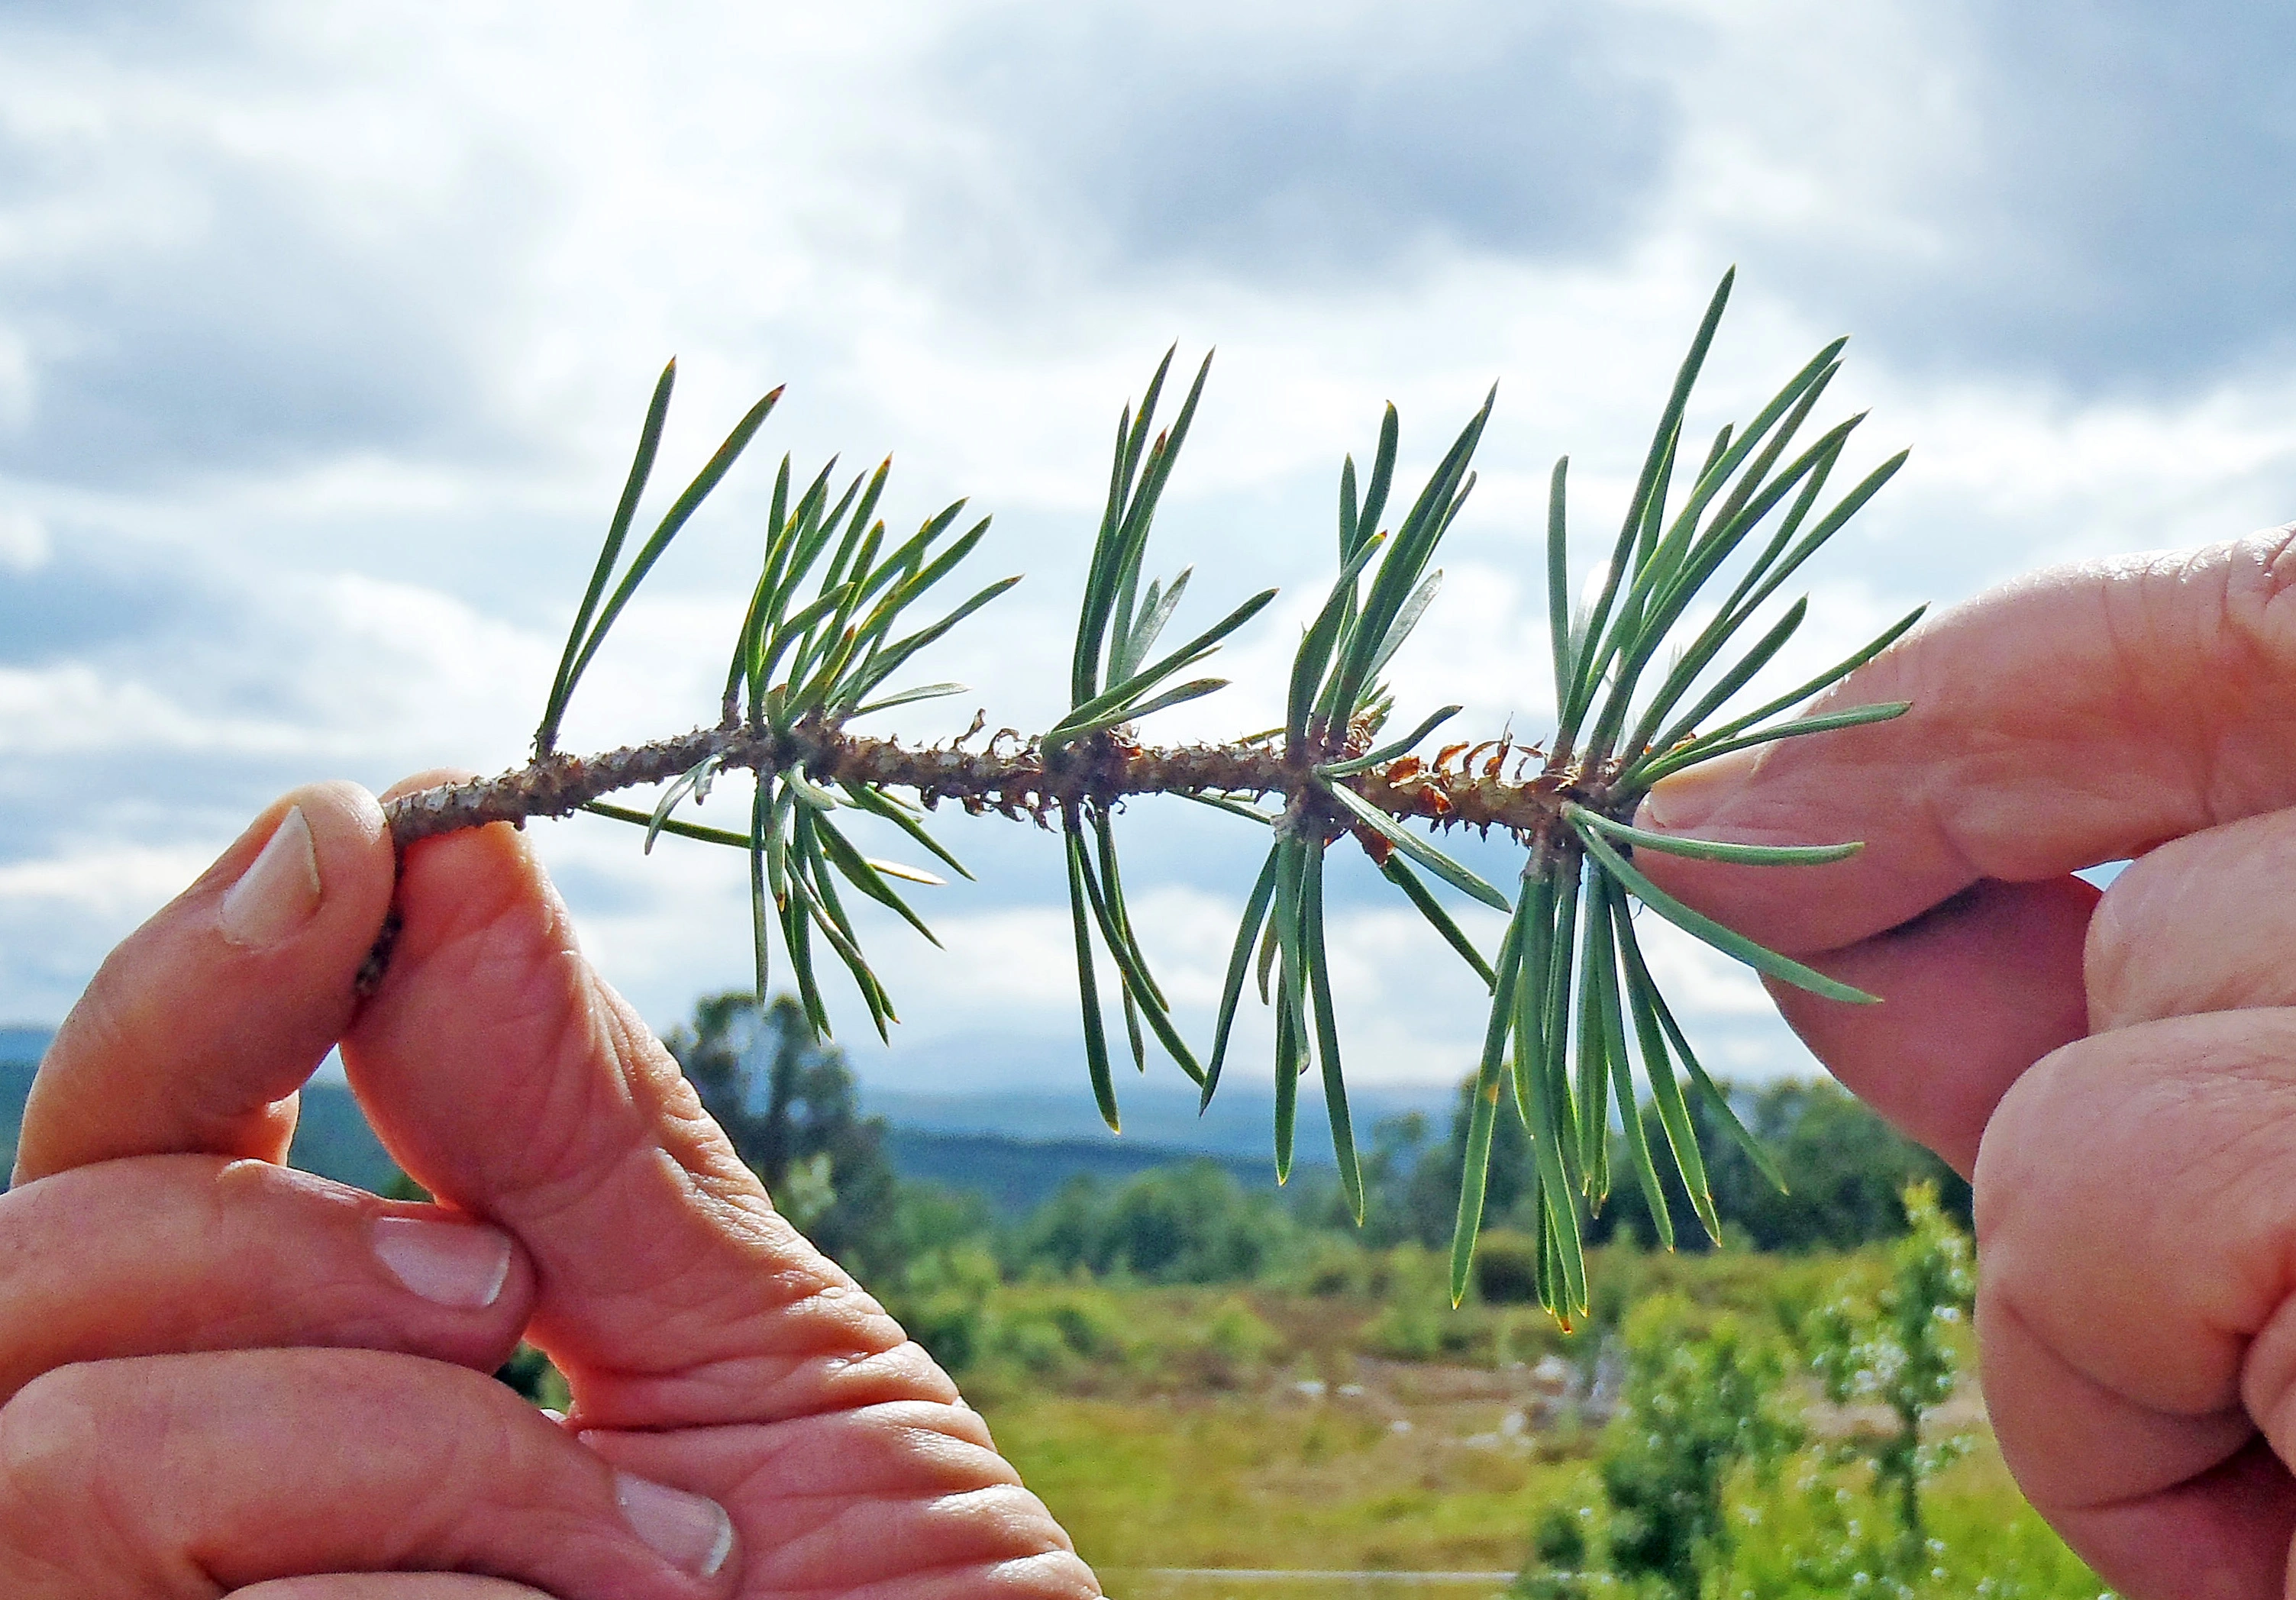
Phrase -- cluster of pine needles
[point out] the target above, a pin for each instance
(1575, 1017)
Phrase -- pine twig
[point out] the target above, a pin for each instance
(1575, 1014)
(1023, 782)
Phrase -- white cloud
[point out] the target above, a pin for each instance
(74, 708)
(24, 543)
(102, 878)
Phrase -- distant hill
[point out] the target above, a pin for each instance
(1014, 1147)
(21, 1050)
(1239, 1122)
(23, 1043)
(1016, 1175)
(332, 1139)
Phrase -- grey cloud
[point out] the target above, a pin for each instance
(130, 30)
(1329, 145)
(216, 637)
(2129, 221)
(70, 607)
(185, 307)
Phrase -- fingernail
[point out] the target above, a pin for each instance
(691, 1533)
(1695, 794)
(279, 890)
(458, 1264)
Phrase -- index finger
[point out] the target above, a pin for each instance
(236, 1467)
(2076, 716)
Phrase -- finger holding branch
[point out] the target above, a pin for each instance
(2121, 1070)
(198, 1030)
(706, 1343)
(2076, 716)
(163, 1286)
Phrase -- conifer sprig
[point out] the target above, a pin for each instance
(1576, 1020)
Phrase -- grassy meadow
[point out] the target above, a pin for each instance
(1332, 1425)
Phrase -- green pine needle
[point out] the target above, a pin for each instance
(1578, 1037)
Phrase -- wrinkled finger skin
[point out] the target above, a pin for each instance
(2171, 1131)
(159, 1254)
(707, 1344)
(191, 1475)
(2119, 1073)
(148, 1214)
(172, 1424)
(389, 1586)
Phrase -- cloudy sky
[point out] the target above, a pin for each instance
(325, 331)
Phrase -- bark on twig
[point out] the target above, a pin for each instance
(1462, 787)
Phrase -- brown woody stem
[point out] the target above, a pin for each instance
(1466, 786)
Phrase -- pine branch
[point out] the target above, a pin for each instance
(1023, 782)
(1575, 1015)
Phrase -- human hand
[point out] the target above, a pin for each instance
(222, 1378)
(2118, 1075)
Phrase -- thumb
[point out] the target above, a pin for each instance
(199, 1029)
(509, 1079)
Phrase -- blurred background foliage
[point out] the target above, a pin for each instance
(789, 1105)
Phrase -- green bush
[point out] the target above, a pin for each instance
(1506, 1268)
(944, 1298)
(1332, 1265)
(1701, 1402)
(1564, 1542)
(1817, 1538)
(1703, 1487)
(1901, 1350)
(1191, 1224)
(1416, 1316)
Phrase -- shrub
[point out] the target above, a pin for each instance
(1900, 1351)
(1506, 1268)
(1701, 1401)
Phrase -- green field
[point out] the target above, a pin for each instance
(1279, 1480)
(1258, 1430)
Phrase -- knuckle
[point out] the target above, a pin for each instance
(53, 1435)
(2112, 963)
(2198, 924)
(2256, 576)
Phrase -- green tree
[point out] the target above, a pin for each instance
(789, 1105)
(1398, 1203)
(1430, 1198)
(1900, 1351)
(1185, 1224)
(1844, 1167)
(1701, 1401)
(1560, 1550)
